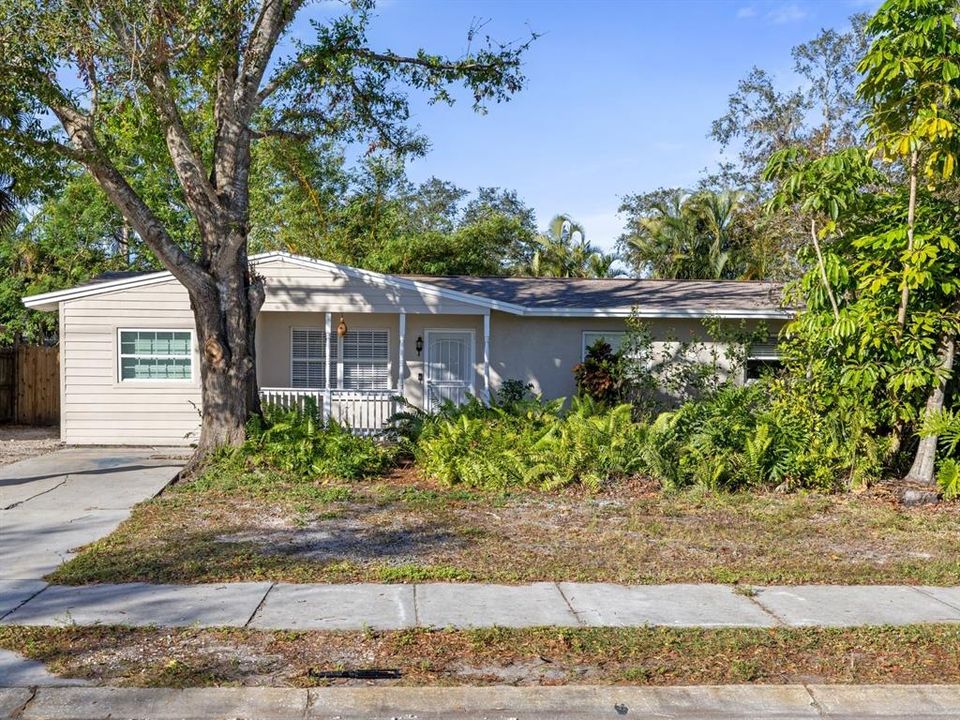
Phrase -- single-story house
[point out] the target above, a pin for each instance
(354, 340)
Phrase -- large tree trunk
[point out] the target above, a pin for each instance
(225, 312)
(924, 463)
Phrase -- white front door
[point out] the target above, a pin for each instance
(449, 366)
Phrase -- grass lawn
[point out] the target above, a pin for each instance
(548, 656)
(404, 529)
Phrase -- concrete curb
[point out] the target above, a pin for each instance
(757, 702)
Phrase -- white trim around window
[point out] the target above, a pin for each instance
(589, 337)
(155, 358)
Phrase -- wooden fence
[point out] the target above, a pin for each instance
(30, 385)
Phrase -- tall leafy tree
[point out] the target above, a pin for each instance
(207, 78)
(817, 190)
(672, 233)
(912, 83)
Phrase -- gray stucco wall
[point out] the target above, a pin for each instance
(539, 350)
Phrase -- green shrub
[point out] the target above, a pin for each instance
(948, 478)
(530, 443)
(763, 435)
(601, 374)
(302, 443)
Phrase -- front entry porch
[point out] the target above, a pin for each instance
(359, 369)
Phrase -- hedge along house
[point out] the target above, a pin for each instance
(355, 340)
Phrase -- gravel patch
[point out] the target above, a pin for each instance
(19, 442)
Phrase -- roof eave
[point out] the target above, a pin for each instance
(50, 301)
(661, 312)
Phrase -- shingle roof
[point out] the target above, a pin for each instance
(617, 296)
(115, 275)
(607, 293)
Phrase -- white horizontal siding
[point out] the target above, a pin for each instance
(97, 408)
(291, 287)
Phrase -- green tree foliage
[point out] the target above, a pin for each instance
(564, 251)
(677, 235)
(817, 190)
(208, 80)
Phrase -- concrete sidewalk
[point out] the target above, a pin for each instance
(760, 702)
(389, 607)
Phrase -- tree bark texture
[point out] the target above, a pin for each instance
(924, 462)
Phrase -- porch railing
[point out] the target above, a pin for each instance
(365, 412)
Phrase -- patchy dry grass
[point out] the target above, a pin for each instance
(403, 529)
(538, 656)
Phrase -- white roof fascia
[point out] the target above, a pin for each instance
(49, 300)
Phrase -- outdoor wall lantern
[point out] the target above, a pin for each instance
(419, 345)
(341, 327)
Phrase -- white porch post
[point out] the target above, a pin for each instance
(402, 365)
(486, 357)
(327, 395)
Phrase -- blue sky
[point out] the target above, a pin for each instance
(619, 98)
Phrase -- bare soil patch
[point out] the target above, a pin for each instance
(404, 529)
(538, 656)
(19, 442)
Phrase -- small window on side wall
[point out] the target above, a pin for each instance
(763, 359)
(155, 355)
(614, 339)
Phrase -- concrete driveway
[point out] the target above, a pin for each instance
(52, 504)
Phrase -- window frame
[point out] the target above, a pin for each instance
(191, 356)
(603, 333)
(337, 359)
(768, 354)
(333, 355)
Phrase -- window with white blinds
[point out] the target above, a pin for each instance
(308, 358)
(365, 360)
(358, 361)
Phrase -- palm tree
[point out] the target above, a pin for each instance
(688, 236)
(565, 252)
(8, 205)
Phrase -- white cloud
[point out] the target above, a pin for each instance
(747, 11)
(788, 13)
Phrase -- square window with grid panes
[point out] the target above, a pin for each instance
(156, 355)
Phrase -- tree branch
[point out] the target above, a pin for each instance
(86, 150)
(273, 18)
(200, 193)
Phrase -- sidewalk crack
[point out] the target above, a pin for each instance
(416, 607)
(259, 606)
(814, 702)
(11, 612)
(576, 615)
(935, 598)
(780, 622)
(48, 490)
(18, 713)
